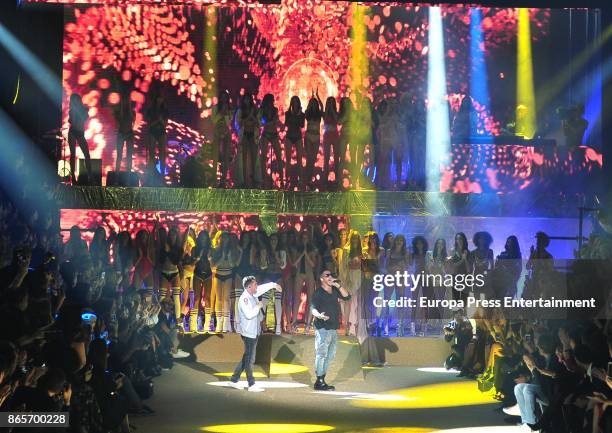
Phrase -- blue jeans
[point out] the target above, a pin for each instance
(325, 347)
(248, 359)
(526, 396)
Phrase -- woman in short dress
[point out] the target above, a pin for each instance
(202, 279)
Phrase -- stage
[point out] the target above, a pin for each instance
(293, 356)
(434, 215)
(191, 398)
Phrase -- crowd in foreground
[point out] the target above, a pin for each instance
(74, 337)
(552, 376)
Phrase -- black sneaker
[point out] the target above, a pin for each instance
(329, 387)
(320, 384)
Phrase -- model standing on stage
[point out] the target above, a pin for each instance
(304, 260)
(269, 121)
(202, 280)
(222, 121)
(223, 261)
(326, 311)
(249, 126)
(277, 261)
(344, 119)
(331, 139)
(398, 260)
(312, 140)
(353, 256)
(460, 262)
(437, 263)
(419, 265)
(77, 117)
(294, 121)
(157, 119)
(124, 116)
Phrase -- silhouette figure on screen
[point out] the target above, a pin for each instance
(77, 117)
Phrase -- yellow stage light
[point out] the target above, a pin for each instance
(267, 428)
(525, 94)
(452, 394)
(360, 120)
(275, 368)
(279, 368)
(256, 374)
(553, 87)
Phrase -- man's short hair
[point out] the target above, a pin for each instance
(247, 280)
(325, 271)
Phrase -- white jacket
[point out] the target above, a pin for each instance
(249, 314)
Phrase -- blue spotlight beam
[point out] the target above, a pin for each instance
(479, 83)
(49, 83)
(438, 125)
(17, 151)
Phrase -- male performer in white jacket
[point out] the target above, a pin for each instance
(250, 316)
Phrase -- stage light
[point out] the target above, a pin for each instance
(479, 80)
(281, 368)
(451, 394)
(438, 128)
(345, 395)
(209, 61)
(40, 73)
(17, 151)
(361, 117)
(267, 428)
(275, 369)
(438, 370)
(256, 374)
(553, 87)
(525, 94)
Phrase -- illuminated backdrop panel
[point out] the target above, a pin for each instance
(297, 46)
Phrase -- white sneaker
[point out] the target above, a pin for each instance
(278, 330)
(180, 354)
(236, 385)
(255, 388)
(512, 410)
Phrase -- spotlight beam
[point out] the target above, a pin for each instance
(525, 94)
(438, 125)
(40, 73)
(479, 85)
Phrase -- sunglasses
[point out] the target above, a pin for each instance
(327, 275)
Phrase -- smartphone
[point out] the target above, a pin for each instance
(89, 318)
(609, 369)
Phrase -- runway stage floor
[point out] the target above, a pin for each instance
(194, 397)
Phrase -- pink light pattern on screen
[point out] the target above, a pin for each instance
(508, 168)
(282, 47)
(115, 221)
